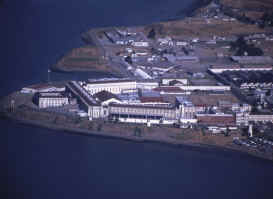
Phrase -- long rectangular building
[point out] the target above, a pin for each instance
(142, 114)
(221, 69)
(51, 99)
(87, 102)
(113, 86)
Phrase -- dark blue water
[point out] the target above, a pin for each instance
(41, 163)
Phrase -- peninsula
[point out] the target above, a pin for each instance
(206, 80)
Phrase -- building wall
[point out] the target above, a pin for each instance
(167, 81)
(147, 85)
(45, 102)
(260, 118)
(143, 111)
(220, 70)
(205, 88)
(245, 118)
(114, 87)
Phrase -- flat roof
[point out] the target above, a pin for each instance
(109, 81)
(142, 106)
(151, 99)
(51, 94)
(168, 89)
(239, 67)
(211, 99)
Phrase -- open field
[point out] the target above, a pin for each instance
(202, 28)
(253, 9)
(249, 4)
(85, 58)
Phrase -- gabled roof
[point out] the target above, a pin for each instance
(105, 95)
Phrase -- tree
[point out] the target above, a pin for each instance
(137, 131)
(227, 133)
(90, 126)
(99, 127)
(151, 34)
(129, 59)
(241, 48)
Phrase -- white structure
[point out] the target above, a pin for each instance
(89, 104)
(147, 84)
(186, 110)
(206, 88)
(221, 69)
(245, 118)
(142, 114)
(112, 86)
(181, 43)
(51, 99)
(42, 88)
(166, 81)
(142, 74)
(140, 44)
(252, 59)
(260, 118)
(250, 130)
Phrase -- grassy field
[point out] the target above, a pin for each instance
(249, 4)
(84, 58)
(254, 9)
(202, 28)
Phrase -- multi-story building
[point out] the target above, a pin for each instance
(216, 119)
(186, 110)
(245, 118)
(221, 69)
(113, 86)
(206, 88)
(142, 114)
(87, 102)
(51, 99)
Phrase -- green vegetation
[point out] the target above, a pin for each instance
(137, 131)
(266, 20)
(99, 127)
(152, 34)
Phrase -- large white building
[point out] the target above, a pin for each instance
(245, 118)
(221, 69)
(142, 114)
(205, 88)
(186, 110)
(113, 86)
(51, 99)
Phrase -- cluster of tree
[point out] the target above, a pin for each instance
(238, 15)
(137, 131)
(242, 48)
(152, 34)
(154, 30)
(129, 60)
(266, 20)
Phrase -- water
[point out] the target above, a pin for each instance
(42, 163)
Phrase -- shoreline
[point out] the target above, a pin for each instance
(108, 135)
